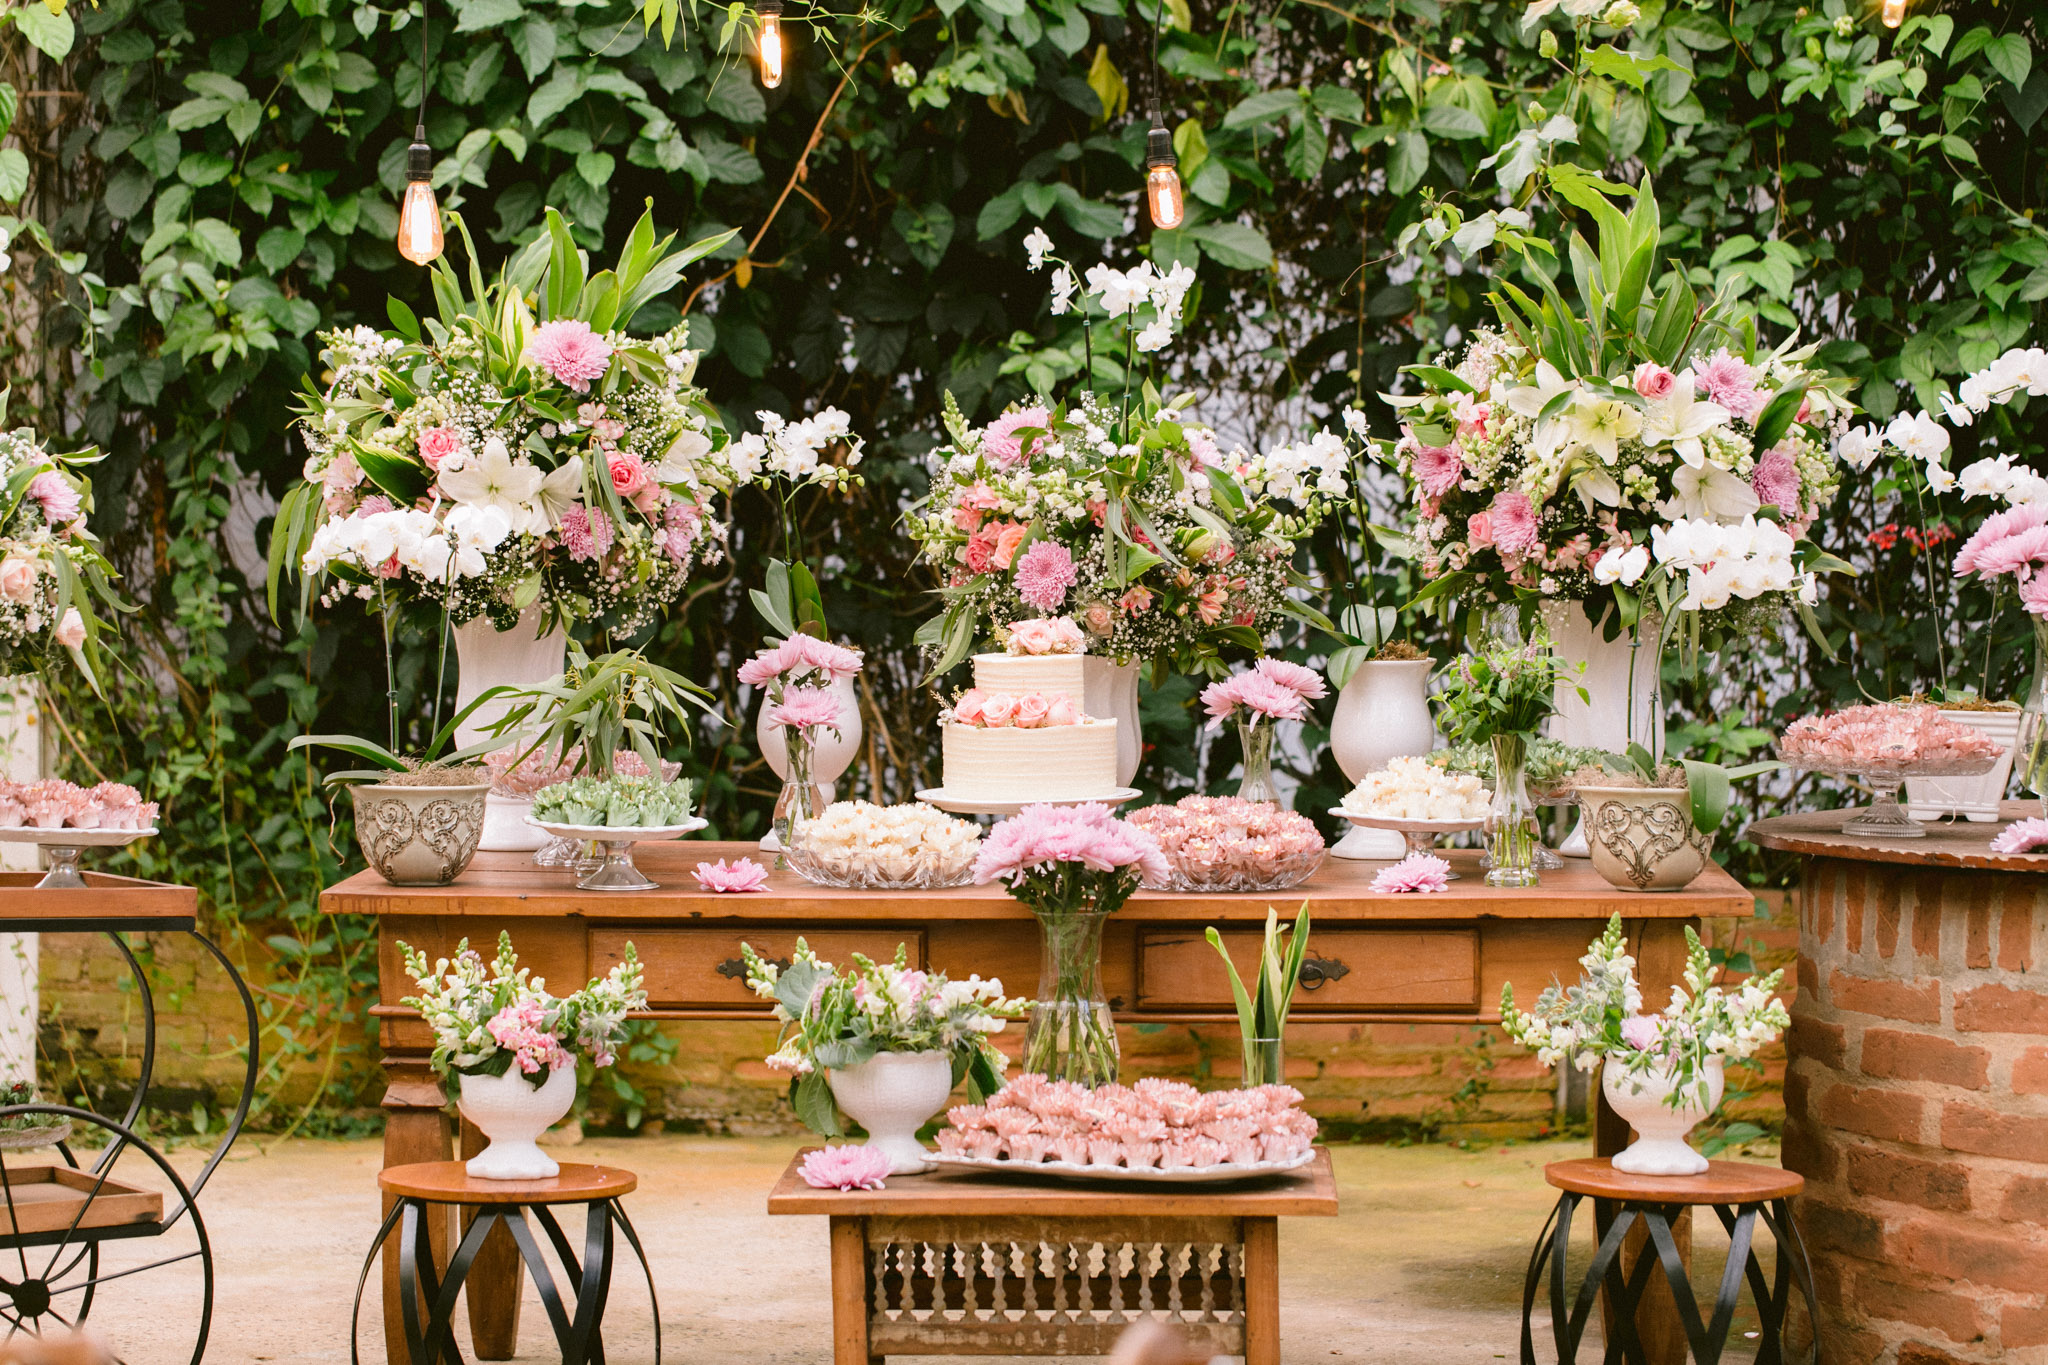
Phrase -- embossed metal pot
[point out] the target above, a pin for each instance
(419, 836)
(1642, 838)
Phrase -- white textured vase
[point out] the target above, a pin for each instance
(1382, 714)
(1619, 701)
(830, 758)
(1112, 694)
(1643, 838)
(1973, 798)
(892, 1095)
(486, 657)
(1660, 1147)
(511, 1113)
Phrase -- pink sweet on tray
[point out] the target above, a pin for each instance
(1155, 1124)
(1885, 736)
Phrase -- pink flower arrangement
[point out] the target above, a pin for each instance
(1155, 1124)
(60, 501)
(2013, 542)
(802, 657)
(586, 533)
(1887, 738)
(1217, 841)
(1438, 469)
(1047, 635)
(1305, 683)
(1775, 480)
(56, 804)
(570, 351)
(806, 709)
(1264, 693)
(1000, 710)
(1422, 873)
(2021, 836)
(1731, 382)
(1514, 525)
(1039, 841)
(522, 1030)
(1044, 575)
(742, 874)
(1002, 447)
(846, 1167)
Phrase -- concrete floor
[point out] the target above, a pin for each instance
(1423, 1266)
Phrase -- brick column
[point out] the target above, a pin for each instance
(1916, 1106)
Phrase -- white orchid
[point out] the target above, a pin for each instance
(1037, 246)
(1918, 435)
(1115, 289)
(1859, 446)
(1625, 567)
(1063, 287)
(1679, 420)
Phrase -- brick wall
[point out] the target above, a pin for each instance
(1917, 1109)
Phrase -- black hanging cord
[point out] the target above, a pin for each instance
(1158, 16)
(420, 133)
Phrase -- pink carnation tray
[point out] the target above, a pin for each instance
(1183, 1175)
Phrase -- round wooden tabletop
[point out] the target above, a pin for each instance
(1947, 843)
(449, 1182)
(1725, 1182)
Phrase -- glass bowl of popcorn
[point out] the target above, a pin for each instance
(1226, 844)
(861, 846)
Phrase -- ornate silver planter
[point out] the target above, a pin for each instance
(1642, 838)
(419, 836)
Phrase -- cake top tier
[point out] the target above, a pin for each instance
(1052, 635)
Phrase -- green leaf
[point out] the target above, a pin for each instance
(595, 167)
(474, 15)
(1407, 161)
(2010, 57)
(736, 97)
(218, 240)
(13, 174)
(1235, 245)
(533, 42)
(1262, 108)
(50, 34)
(1626, 67)
(280, 246)
(1453, 121)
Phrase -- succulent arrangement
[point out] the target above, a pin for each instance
(615, 803)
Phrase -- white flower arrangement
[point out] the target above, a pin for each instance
(486, 1023)
(1413, 788)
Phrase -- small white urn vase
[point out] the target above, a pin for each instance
(486, 657)
(1112, 694)
(892, 1095)
(511, 1112)
(830, 758)
(1621, 689)
(1643, 1098)
(1382, 714)
(1974, 798)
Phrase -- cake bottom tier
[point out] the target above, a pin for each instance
(1056, 763)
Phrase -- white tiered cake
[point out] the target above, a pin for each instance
(1020, 735)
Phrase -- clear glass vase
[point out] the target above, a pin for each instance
(801, 799)
(1070, 1036)
(1265, 1061)
(1511, 834)
(1257, 784)
(2030, 752)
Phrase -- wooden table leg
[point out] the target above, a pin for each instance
(494, 1276)
(850, 1292)
(414, 1130)
(1261, 1291)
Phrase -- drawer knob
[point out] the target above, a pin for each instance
(735, 968)
(1316, 972)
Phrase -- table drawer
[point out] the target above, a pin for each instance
(1346, 969)
(700, 968)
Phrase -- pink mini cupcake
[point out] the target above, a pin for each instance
(119, 805)
(1104, 1150)
(952, 1142)
(12, 811)
(48, 803)
(982, 1144)
(1072, 1147)
(145, 815)
(1030, 1148)
(967, 1116)
(1141, 1156)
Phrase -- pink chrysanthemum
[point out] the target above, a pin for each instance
(1418, 872)
(1044, 574)
(1040, 836)
(1001, 447)
(571, 352)
(845, 1167)
(2021, 836)
(741, 874)
(806, 709)
(1731, 382)
(1305, 683)
(2019, 553)
(60, 501)
(1514, 525)
(1255, 692)
(2034, 595)
(1776, 480)
(1998, 528)
(800, 654)
(586, 533)
(1438, 469)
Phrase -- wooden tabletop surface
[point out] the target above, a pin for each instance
(499, 885)
(1948, 843)
(1312, 1191)
(449, 1182)
(130, 901)
(1724, 1182)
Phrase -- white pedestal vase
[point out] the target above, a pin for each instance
(1660, 1147)
(830, 757)
(1382, 714)
(1643, 838)
(511, 1112)
(486, 657)
(892, 1095)
(1620, 699)
(1112, 694)
(1974, 798)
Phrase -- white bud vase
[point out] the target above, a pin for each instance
(1642, 1098)
(1382, 714)
(511, 1111)
(892, 1095)
(486, 657)
(830, 757)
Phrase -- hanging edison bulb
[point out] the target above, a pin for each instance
(1894, 13)
(769, 42)
(419, 217)
(1162, 179)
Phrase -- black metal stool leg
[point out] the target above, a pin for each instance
(595, 1286)
(1538, 1256)
(1560, 1244)
(543, 1279)
(412, 1238)
(383, 1234)
(1705, 1349)
(1792, 1260)
(633, 1240)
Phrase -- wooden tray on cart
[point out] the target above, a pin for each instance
(48, 1199)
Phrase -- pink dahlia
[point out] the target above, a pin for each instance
(1514, 525)
(2021, 836)
(742, 874)
(60, 501)
(845, 1167)
(1776, 480)
(806, 709)
(570, 351)
(1998, 527)
(1438, 469)
(1002, 447)
(1418, 872)
(586, 533)
(1305, 683)
(1044, 574)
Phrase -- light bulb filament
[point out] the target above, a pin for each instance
(1894, 13)
(770, 43)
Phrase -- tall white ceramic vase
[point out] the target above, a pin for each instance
(512, 1112)
(892, 1095)
(830, 758)
(1620, 700)
(1112, 694)
(1382, 714)
(1643, 1099)
(486, 657)
(1974, 798)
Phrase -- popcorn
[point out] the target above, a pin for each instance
(1415, 789)
(857, 843)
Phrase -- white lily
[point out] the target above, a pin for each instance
(1711, 492)
(1679, 420)
(1529, 400)
(492, 478)
(1601, 425)
(679, 462)
(559, 491)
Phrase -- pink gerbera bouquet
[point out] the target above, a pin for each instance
(1272, 689)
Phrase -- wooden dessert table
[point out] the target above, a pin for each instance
(971, 1263)
(1373, 958)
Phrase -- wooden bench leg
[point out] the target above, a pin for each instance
(850, 1292)
(1261, 1291)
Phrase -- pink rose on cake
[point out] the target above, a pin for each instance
(1064, 711)
(1047, 635)
(1032, 710)
(998, 708)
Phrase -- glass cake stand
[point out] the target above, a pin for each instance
(1886, 818)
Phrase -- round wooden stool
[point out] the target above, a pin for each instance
(1739, 1193)
(578, 1325)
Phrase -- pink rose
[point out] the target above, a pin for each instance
(980, 552)
(629, 476)
(998, 708)
(1063, 711)
(967, 710)
(71, 630)
(1479, 530)
(1007, 541)
(1653, 380)
(967, 519)
(981, 497)
(1032, 710)
(437, 444)
(18, 580)
(1098, 618)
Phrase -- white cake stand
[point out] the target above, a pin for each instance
(1421, 835)
(964, 805)
(616, 871)
(63, 847)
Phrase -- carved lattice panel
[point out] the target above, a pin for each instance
(1050, 1286)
